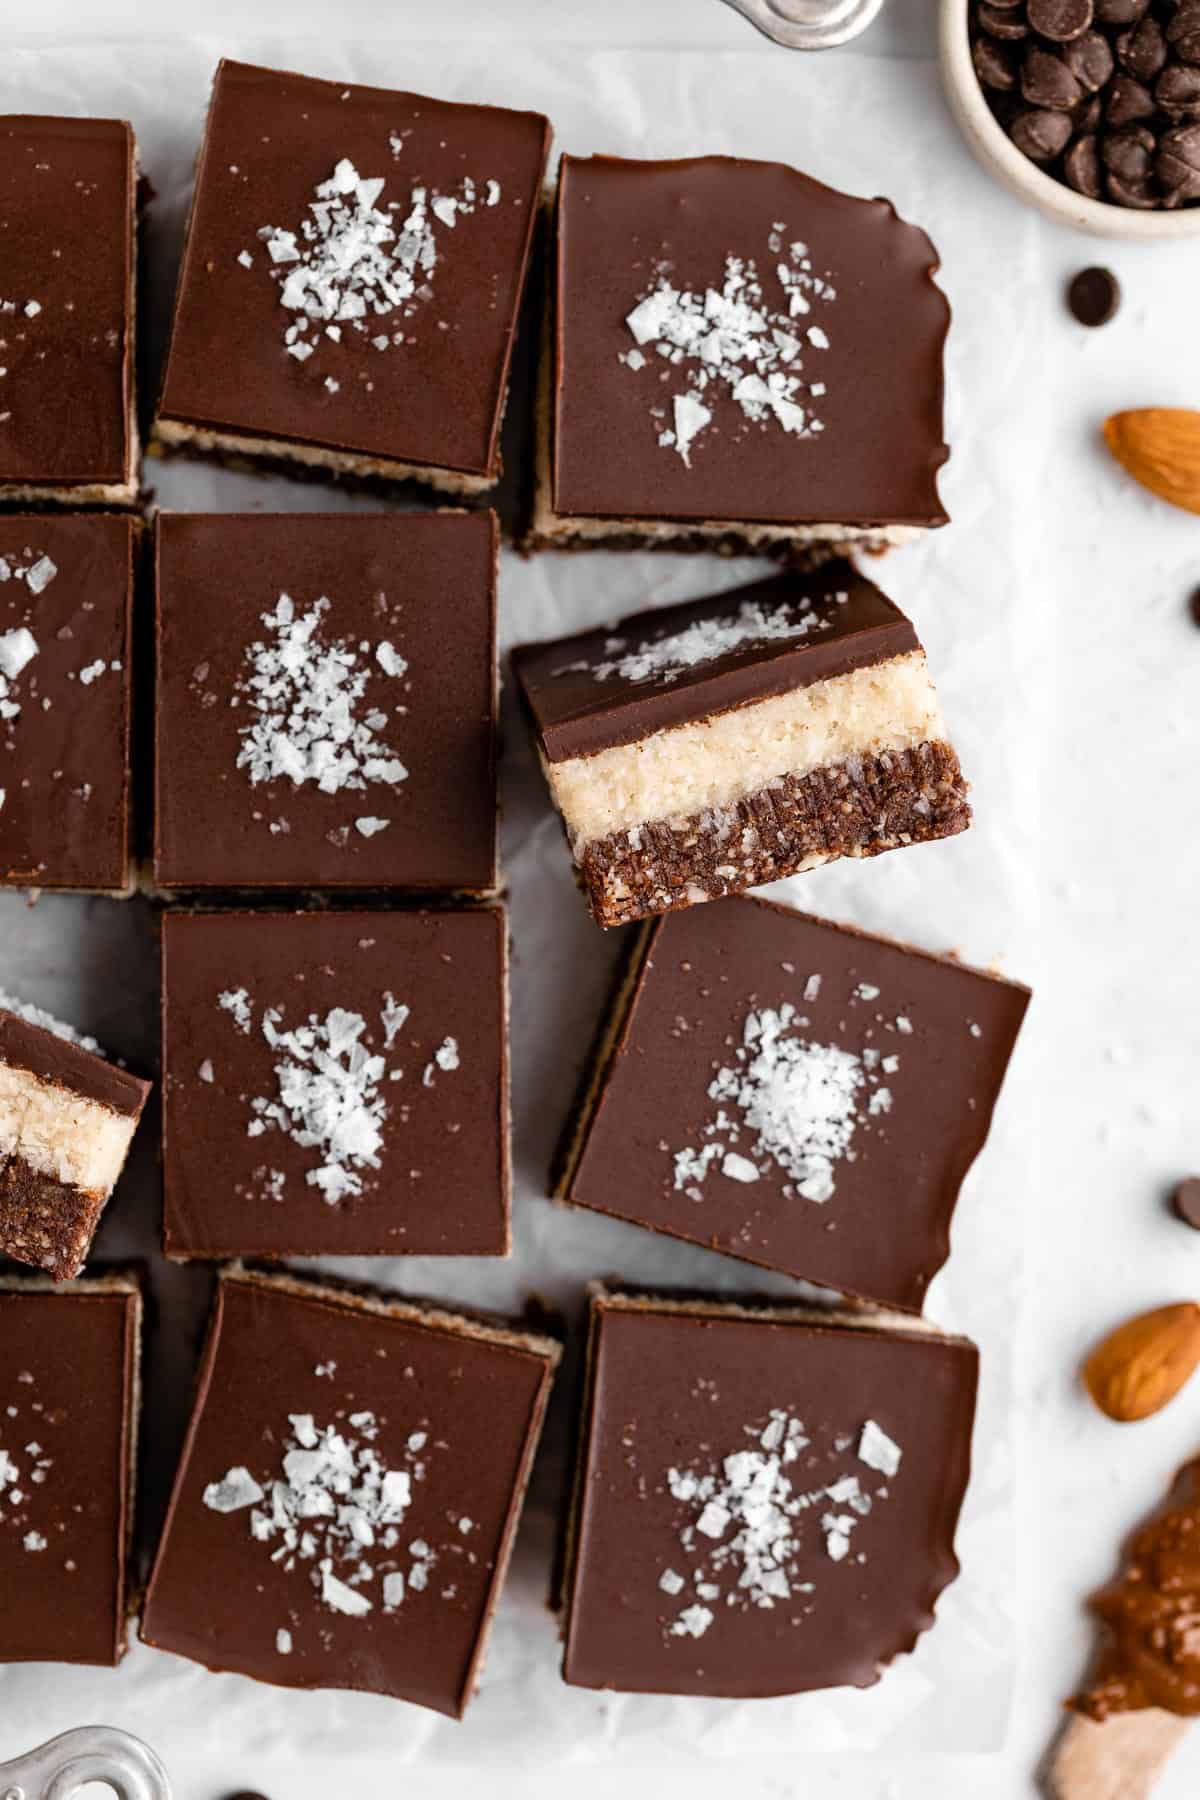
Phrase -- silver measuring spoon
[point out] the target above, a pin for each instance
(59, 1769)
(809, 24)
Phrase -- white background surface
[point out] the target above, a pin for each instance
(1054, 613)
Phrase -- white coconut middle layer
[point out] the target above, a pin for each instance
(60, 1134)
(686, 770)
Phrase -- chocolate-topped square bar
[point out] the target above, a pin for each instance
(326, 712)
(698, 749)
(336, 1084)
(766, 1499)
(349, 1491)
(351, 279)
(66, 604)
(738, 358)
(67, 1119)
(68, 427)
(798, 1094)
(69, 1406)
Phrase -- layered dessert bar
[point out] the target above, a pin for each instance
(69, 1404)
(356, 1464)
(335, 1084)
(765, 1500)
(738, 359)
(798, 1094)
(66, 607)
(351, 280)
(67, 1118)
(699, 749)
(326, 708)
(68, 426)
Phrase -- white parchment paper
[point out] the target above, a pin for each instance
(869, 126)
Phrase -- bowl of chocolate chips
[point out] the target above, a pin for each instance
(1088, 108)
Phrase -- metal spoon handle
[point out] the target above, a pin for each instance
(59, 1769)
(809, 24)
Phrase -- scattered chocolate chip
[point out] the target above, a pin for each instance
(1094, 296)
(1060, 20)
(1129, 101)
(1142, 52)
(1120, 12)
(245, 1794)
(1090, 60)
(1041, 136)
(1081, 167)
(1129, 154)
(1194, 604)
(1047, 82)
(1001, 23)
(1177, 91)
(1178, 163)
(996, 64)
(1186, 1201)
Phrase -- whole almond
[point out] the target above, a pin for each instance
(1160, 447)
(1144, 1363)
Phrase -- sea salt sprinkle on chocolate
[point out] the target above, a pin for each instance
(798, 1104)
(24, 1469)
(748, 1522)
(308, 695)
(35, 1015)
(334, 1508)
(734, 341)
(355, 261)
(666, 658)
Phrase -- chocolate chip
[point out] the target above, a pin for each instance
(1138, 195)
(1186, 1198)
(1094, 296)
(1142, 52)
(1177, 91)
(1194, 604)
(1121, 12)
(1081, 166)
(1060, 20)
(1178, 162)
(1183, 32)
(1129, 154)
(1041, 136)
(1129, 101)
(996, 64)
(1046, 81)
(1090, 60)
(245, 1794)
(999, 22)
(1090, 117)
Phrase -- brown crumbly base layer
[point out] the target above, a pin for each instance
(375, 476)
(878, 803)
(792, 551)
(46, 1222)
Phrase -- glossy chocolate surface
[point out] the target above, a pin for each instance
(238, 1181)
(435, 400)
(578, 711)
(423, 583)
(622, 226)
(911, 1134)
(64, 756)
(675, 1393)
(217, 1595)
(66, 301)
(67, 1422)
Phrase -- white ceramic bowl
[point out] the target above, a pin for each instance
(1000, 155)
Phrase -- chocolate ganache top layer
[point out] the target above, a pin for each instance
(353, 268)
(765, 1505)
(674, 665)
(66, 594)
(734, 341)
(66, 300)
(67, 1065)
